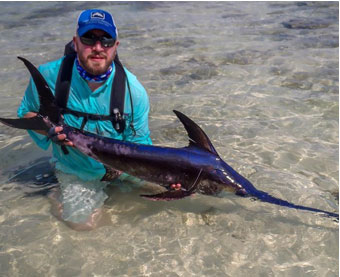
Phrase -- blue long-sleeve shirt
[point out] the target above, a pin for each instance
(82, 99)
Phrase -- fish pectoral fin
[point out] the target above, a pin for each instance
(168, 195)
(197, 181)
(175, 194)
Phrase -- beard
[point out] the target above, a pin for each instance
(95, 67)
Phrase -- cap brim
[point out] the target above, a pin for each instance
(82, 31)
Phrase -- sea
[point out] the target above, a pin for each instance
(260, 78)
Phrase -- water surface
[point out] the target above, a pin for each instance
(261, 78)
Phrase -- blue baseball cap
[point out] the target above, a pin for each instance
(96, 19)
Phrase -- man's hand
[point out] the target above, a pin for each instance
(55, 133)
(176, 186)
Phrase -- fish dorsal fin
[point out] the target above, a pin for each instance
(197, 137)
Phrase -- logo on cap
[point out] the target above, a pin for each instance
(98, 15)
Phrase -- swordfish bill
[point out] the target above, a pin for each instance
(197, 167)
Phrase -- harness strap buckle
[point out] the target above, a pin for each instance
(118, 121)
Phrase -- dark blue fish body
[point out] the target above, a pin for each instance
(162, 165)
(197, 167)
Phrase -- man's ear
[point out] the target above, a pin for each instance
(75, 43)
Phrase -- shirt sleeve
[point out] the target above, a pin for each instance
(30, 103)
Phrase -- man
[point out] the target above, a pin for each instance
(95, 78)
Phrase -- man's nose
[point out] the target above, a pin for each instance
(98, 46)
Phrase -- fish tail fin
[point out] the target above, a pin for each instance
(48, 105)
(33, 123)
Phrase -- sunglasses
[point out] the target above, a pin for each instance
(91, 39)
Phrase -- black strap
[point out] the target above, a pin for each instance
(85, 119)
(62, 88)
(118, 88)
(69, 48)
(89, 116)
(63, 147)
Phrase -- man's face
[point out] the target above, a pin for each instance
(95, 59)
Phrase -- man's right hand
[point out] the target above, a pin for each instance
(55, 133)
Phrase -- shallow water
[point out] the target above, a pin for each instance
(261, 78)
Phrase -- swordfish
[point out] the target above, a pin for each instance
(197, 167)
